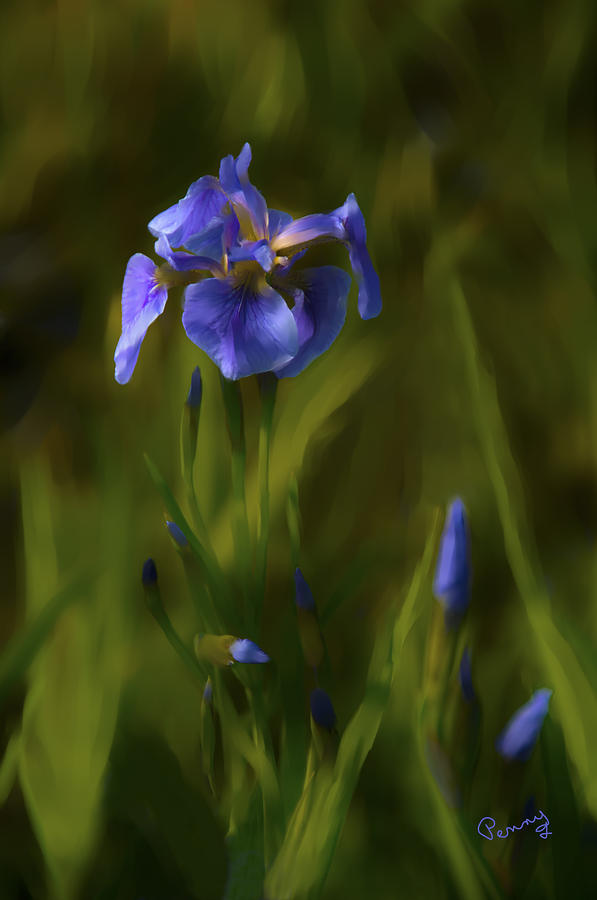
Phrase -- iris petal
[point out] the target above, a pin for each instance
(244, 329)
(143, 300)
(311, 229)
(183, 261)
(356, 238)
(319, 311)
(248, 203)
(277, 221)
(203, 200)
(258, 251)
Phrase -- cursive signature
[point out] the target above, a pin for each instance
(487, 824)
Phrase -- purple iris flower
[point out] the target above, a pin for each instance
(246, 305)
(451, 584)
(520, 734)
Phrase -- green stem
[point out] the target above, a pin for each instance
(233, 404)
(187, 657)
(268, 384)
(446, 687)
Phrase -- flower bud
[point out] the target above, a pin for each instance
(322, 710)
(304, 597)
(149, 574)
(196, 389)
(308, 624)
(451, 584)
(189, 426)
(177, 535)
(520, 734)
(245, 651)
(466, 678)
(225, 649)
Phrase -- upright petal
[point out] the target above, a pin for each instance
(277, 221)
(356, 238)
(308, 230)
(258, 251)
(520, 734)
(245, 328)
(203, 200)
(248, 203)
(319, 311)
(212, 240)
(143, 300)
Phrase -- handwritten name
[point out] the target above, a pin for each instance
(487, 824)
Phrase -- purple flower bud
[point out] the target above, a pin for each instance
(322, 709)
(520, 734)
(304, 597)
(466, 679)
(177, 534)
(208, 691)
(149, 575)
(245, 651)
(451, 584)
(196, 389)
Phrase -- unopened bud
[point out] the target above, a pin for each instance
(149, 575)
(196, 389)
(177, 534)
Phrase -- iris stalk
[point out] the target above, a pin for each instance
(233, 404)
(268, 384)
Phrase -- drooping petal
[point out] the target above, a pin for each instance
(356, 238)
(203, 201)
(320, 311)
(245, 651)
(184, 261)
(244, 328)
(248, 203)
(143, 300)
(258, 251)
(520, 734)
(308, 230)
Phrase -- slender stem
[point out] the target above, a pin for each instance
(453, 638)
(233, 404)
(268, 384)
(187, 657)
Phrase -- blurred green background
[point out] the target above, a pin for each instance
(467, 132)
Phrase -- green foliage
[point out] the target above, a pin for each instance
(467, 132)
